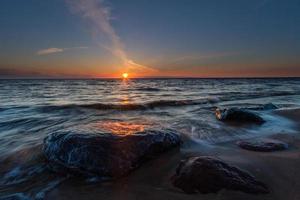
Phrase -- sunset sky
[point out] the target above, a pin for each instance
(149, 38)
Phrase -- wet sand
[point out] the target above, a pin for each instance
(279, 170)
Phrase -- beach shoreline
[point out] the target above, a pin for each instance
(278, 170)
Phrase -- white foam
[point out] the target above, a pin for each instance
(274, 124)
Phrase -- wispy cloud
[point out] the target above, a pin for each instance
(99, 15)
(49, 51)
(54, 50)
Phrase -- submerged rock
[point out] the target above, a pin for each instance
(238, 115)
(268, 106)
(209, 175)
(263, 145)
(105, 155)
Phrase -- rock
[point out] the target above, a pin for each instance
(263, 145)
(209, 175)
(268, 106)
(238, 115)
(105, 154)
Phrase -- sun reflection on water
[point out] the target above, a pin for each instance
(122, 128)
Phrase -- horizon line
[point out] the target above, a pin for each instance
(150, 77)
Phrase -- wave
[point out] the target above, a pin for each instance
(145, 106)
(132, 106)
(213, 99)
(27, 168)
(248, 96)
(147, 89)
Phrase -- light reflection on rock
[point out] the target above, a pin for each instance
(122, 127)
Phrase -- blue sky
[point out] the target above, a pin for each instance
(198, 38)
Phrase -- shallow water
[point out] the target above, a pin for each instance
(32, 109)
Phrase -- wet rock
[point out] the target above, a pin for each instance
(238, 115)
(263, 145)
(210, 175)
(104, 154)
(268, 106)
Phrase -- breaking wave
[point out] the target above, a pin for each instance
(130, 106)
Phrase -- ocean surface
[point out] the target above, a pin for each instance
(32, 109)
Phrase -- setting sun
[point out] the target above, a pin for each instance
(125, 75)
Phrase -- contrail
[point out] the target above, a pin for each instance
(99, 16)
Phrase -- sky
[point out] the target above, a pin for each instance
(149, 38)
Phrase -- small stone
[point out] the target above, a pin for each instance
(263, 145)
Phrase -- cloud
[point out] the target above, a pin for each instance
(49, 51)
(99, 16)
(56, 50)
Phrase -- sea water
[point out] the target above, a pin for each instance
(32, 109)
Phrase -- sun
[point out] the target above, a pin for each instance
(125, 75)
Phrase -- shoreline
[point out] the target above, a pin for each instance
(279, 170)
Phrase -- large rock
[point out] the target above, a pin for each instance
(209, 175)
(238, 115)
(105, 155)
(263, 145)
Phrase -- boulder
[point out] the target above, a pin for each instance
(238, 115)
(263, 145)
(209, 175)
(105, 154)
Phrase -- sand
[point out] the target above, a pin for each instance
(279, 170)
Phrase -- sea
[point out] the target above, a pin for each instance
(32, 109)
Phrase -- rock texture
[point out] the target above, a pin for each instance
(263, 145)
(238, 115)
(209, 175)
(105, 155)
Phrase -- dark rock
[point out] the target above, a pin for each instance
(238, 115)
(268, 106)
(263, 145)
(105, 155)
(209, 175)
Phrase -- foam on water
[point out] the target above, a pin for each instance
(274, 124)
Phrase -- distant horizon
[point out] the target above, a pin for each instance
(106, 38)
(157, 77)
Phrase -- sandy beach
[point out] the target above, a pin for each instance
(278, 170)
